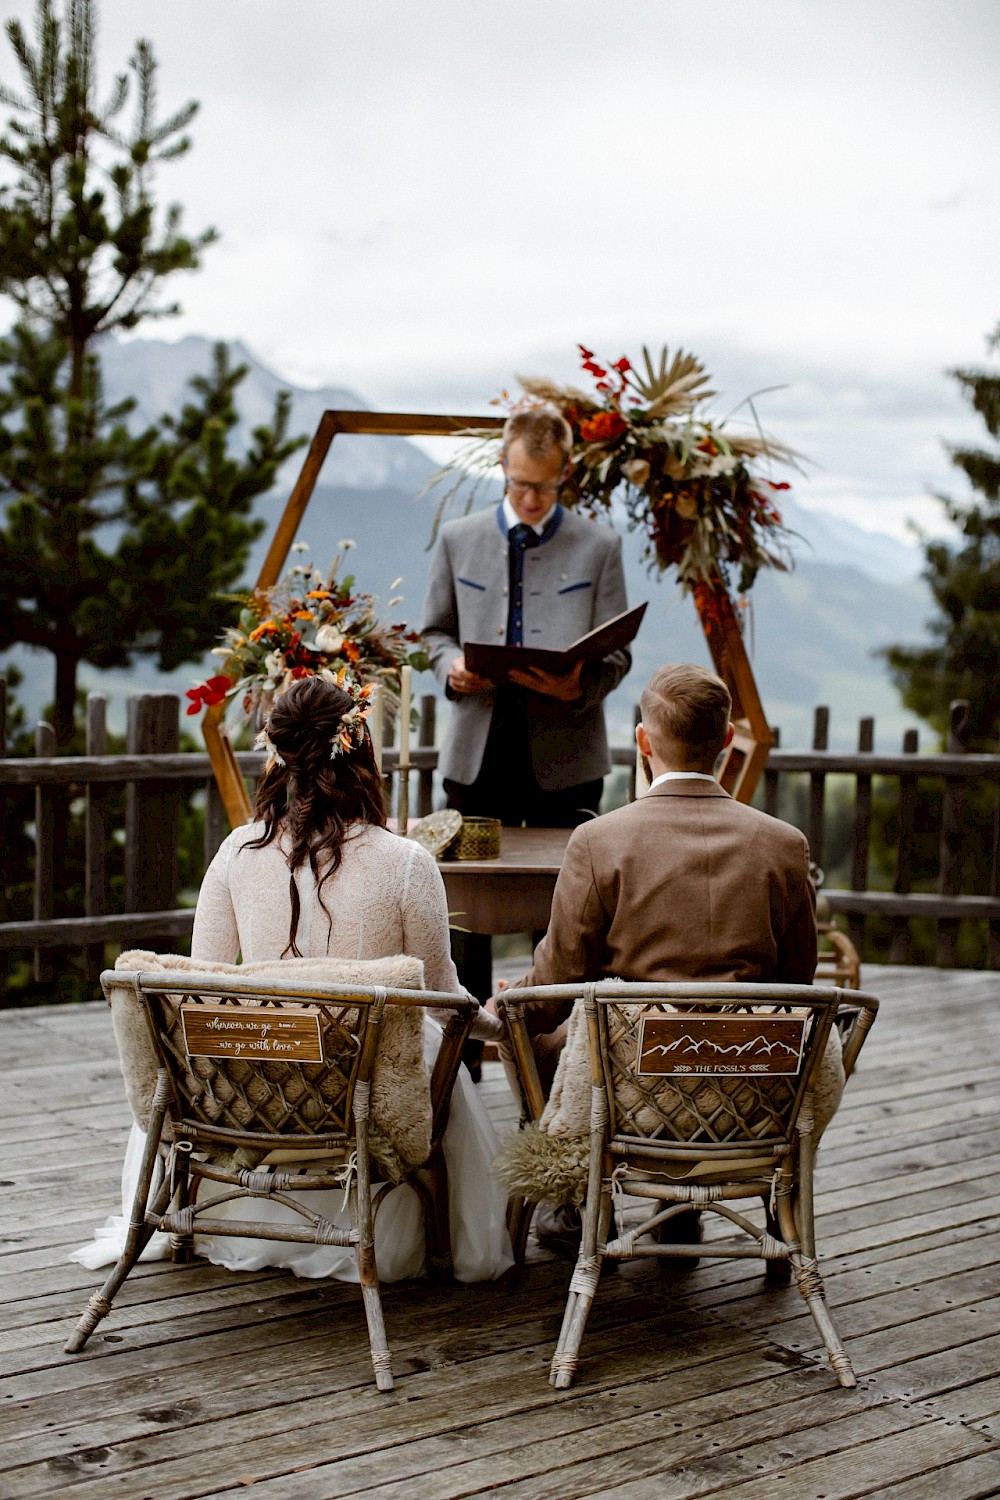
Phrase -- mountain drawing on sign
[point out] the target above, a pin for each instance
(757, 1046)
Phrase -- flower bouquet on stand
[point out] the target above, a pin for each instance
(309, 624)
(698, 489)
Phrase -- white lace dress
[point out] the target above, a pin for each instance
(387, 897)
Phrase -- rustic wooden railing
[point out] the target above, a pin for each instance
(157, 776)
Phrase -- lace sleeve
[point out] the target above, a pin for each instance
(215, 933)
(425, 923)
(425, 934)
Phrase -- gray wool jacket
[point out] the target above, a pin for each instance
(573, 583)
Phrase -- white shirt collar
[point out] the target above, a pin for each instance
(680, 776)
(512, 518)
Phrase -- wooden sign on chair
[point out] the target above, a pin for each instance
(743, 761)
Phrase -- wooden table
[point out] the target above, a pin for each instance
(512, 893)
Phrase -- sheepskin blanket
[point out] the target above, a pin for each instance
(548, 1162)
(401, 1095)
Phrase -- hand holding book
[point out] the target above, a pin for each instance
(499, 663)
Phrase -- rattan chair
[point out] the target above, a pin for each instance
(247, 1068)
(700, 1095)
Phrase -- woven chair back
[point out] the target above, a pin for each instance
(230, 1057)
(710, 1066)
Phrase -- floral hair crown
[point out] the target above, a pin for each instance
(351, 730)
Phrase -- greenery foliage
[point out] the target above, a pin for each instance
(964, 575)
(113, 541)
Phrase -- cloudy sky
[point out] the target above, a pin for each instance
(420, 200)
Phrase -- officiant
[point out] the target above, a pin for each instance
(532, 750)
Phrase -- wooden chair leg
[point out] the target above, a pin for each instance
(440, 1266)
(381, 1356)
(582, 1290)
(139, 1232)
(360, 1199)
(797, 1230)
(181, 1244)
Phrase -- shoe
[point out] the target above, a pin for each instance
(472, 1056)
(682, 1229)
(559, 1229)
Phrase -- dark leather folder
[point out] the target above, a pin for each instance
(495, 662)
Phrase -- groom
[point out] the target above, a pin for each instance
(682, 884)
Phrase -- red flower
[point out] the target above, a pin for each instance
(603, 427)
(622, 365)
(586, 353)
(207, 694)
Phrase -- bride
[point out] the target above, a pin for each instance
(318, 874)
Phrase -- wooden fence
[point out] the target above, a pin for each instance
(158, 777)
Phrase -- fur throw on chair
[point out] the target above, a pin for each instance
(547, 1162)
(401, 1096)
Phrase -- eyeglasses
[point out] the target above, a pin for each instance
(520, 487)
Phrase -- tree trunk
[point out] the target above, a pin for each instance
(66, 667)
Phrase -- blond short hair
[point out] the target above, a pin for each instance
(541, 429)
(689, 707)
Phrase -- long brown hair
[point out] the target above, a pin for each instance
(314, 798)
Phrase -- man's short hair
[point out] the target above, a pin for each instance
(540, 429)
(688, 706)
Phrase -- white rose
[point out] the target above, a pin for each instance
(329, 639)
(274, 664)
(636, 471)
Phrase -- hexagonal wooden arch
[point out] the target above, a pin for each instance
(744, 760)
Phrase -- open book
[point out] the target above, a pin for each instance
(495, 662)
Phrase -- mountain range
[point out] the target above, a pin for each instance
(811, 633)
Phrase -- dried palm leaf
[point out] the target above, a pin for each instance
(671, 388)
(559, 395)
(758, 445)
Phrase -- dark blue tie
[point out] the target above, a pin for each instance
(521, 538)
(524, 536)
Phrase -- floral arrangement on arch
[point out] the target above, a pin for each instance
(697, 489)
(308, 624)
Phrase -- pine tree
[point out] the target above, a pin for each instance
(113, 541)
(963, 660)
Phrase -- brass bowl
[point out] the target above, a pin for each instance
(478, 838)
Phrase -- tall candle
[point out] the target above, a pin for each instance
(375, 724)
(405, 689)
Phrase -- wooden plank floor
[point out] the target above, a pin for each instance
(207, 1383)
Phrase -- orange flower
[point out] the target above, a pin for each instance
(351, 651)
(319, 594)
(603, 427)
(302, 614)
(266, 627)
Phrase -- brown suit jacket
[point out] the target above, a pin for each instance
(685, 883)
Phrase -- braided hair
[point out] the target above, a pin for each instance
(314, 797)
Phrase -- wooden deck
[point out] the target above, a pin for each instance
(207, 1383)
